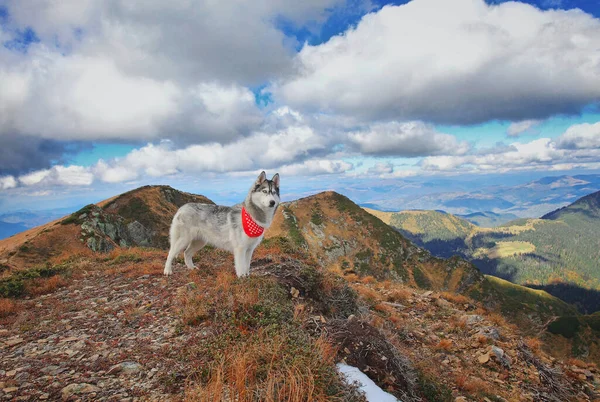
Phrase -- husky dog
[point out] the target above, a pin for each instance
(238, 229)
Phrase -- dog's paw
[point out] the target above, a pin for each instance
(168, 272)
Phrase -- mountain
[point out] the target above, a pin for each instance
(586, 207)
(488, 219)
(137, 218)
(562, 247)
(330, 283)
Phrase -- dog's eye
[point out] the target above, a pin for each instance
(265, 191)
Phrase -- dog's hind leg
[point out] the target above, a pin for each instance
(177, 247)
(192, 249)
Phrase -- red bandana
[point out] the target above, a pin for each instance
(251, 228)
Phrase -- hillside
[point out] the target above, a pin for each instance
(330, 283)
(562, 247)
(137, 218)
(347, 239)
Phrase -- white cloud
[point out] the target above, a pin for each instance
(521, 127)
(7, 182)
(316, 167)
(381, 168)
(89, 98)
(139, 71)
(33, 178)
(455, 61)
(405, 139)
(59, 175)
(190, 40)
(574, 151)
(581, 136)
(260, 150)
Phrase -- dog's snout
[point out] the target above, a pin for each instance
(272, 203)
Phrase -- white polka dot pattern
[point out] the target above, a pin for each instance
(251, 228)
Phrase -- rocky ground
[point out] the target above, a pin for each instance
(116, 332)
(106, 337)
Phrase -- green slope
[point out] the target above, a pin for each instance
(562, 247)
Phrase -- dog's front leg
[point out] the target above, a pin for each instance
(239, 257)
(249, 253)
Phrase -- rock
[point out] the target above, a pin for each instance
(77, 389)
(490, 333)
(484, 358)
(442, 303)
(13, 342)
(126, 368)
(502, 357)
(22, 377)
(139, 234)
(472, 319)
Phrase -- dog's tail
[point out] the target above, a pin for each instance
(173, 229)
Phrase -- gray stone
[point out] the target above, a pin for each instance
(490, 333)
(126, 368)
(501, 356)
(472, 319)
(139, 234)
(78, 389)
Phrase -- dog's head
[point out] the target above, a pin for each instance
(265, 193)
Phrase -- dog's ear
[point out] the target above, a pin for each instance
(261, 178)
(275, 180)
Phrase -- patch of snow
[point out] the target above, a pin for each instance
(372, 391)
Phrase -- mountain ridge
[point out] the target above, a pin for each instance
(329, 283)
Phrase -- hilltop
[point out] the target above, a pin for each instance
(329, 283)
(139, 217)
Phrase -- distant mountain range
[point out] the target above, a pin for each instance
(532, 199)
(562, 247)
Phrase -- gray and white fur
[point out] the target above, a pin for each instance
(195, 225)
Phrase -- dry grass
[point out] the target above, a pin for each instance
(399, 295)
(482, 340)
(352, 278)
(368, 280)
(457, 322)
(577, 363)
(384, 308)
(497, 319)
(444, 344)
(369, 295)
(8, 307)
(475, 385)
(455, 298)
(263, 368)
(534, 344)
(42, 286)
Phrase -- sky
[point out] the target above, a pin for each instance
(99, 97)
